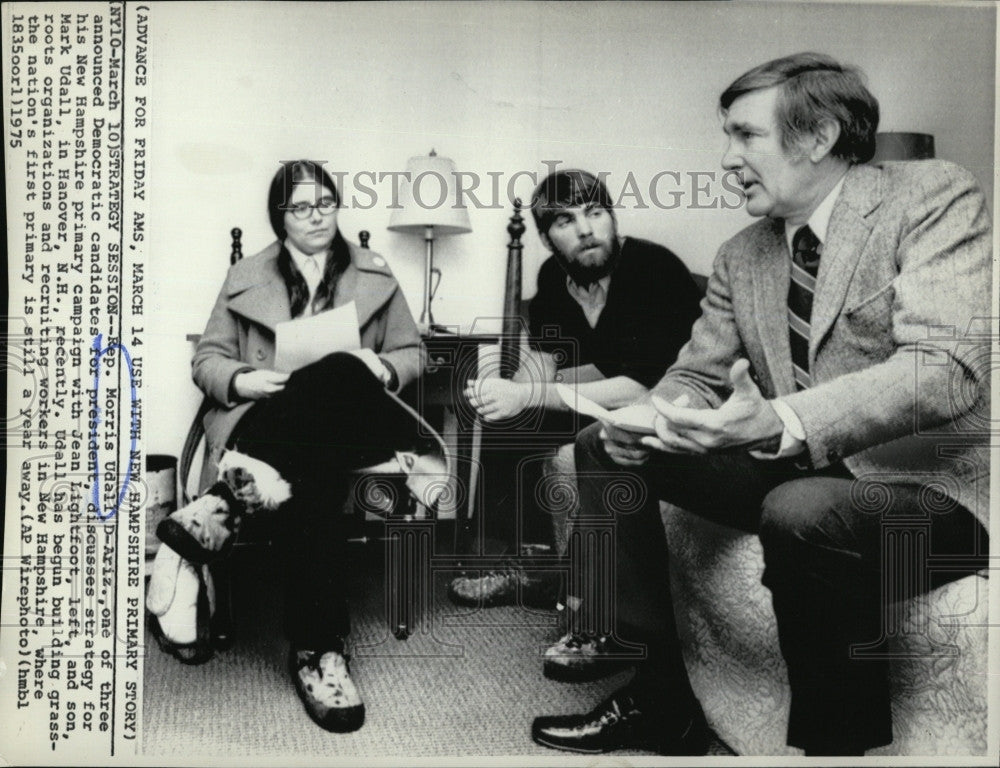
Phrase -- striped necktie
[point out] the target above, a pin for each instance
(806, 250)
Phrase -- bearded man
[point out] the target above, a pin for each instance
(627, 305)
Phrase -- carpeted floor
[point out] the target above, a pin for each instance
(467, 683)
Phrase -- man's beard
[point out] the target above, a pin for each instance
(587, 274)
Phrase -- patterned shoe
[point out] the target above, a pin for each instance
(255, 484)
(427, 476)
(502, 587)
(323, 681)
(203, 530)
(578, 657)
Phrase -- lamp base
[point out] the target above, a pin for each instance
(435, 329)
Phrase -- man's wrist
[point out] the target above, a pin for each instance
(790, 419)
(792, 436)
(530, 394)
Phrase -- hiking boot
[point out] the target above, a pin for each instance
(503, 586)
(580, 657)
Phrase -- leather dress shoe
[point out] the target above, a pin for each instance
(622, 723)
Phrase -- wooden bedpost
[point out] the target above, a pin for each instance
(510, 341)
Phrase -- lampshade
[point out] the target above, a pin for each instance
(903, 146)
(429, 198)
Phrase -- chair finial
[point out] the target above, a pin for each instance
(236, 253)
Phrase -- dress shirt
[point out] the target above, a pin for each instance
(313, 274)
(793, 437)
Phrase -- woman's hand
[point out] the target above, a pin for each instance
(374, 363)
(254, 385)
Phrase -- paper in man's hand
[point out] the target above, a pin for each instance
(307, 339)
(636, 418)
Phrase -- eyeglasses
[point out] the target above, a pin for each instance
(326, 206)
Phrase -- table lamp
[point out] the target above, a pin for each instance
(428, 206)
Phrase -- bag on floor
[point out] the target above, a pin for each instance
(181, 601)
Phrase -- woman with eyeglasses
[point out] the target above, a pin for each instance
(287, 441)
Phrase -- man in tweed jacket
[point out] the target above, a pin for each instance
(811, 423)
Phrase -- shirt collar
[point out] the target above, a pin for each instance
(300, 258)
(585, 293)
(591, 298)
(819, 222)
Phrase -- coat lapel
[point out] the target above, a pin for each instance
(846, 237)
(771, 275)
(257, 291)
(367, 281)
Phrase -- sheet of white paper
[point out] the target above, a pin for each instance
(306, 339)
(635, 418)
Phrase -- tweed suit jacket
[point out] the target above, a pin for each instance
(900, 337)
(254, 299)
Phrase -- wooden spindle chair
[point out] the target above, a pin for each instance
(252, 534)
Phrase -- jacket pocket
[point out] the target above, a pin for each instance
(868, 322)
(873, 301)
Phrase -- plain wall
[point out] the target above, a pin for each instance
(498, 87)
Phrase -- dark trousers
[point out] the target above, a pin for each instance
(333, 416)
(513, 508)
(825, 543)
